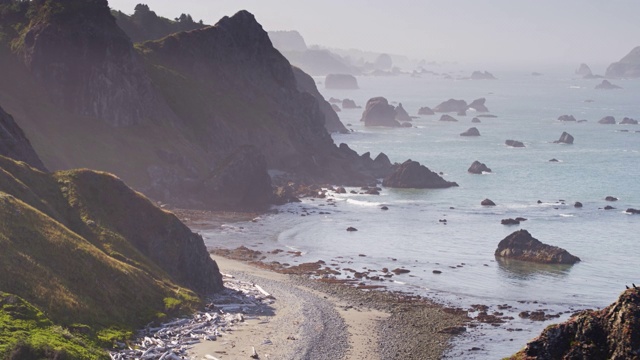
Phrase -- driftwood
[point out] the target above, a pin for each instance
(173, 339)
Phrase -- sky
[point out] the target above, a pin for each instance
(467, 31)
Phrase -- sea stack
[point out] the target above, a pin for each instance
(520, 245)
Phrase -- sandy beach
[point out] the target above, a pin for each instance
(314, 320)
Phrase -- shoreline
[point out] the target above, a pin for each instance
(319, 320)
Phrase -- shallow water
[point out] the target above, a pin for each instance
(603, 161)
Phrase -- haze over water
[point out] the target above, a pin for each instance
(603, 161)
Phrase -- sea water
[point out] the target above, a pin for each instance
(603, 161)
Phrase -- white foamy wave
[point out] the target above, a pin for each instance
(363, 203)
(567, 215)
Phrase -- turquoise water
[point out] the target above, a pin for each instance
(603, 161)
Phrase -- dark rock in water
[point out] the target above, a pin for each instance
(509, 222)
(437, 272)
(425, 110)
(566, 118)
(399, 271)
(384, 208)
(14, 143)
(305, 83)
(521, 245)
(478, 105)
(539, 202)
(627, 67)
(334, 100)
(475, 120)
(578, 204)
(446, 117)
(554, 160)
(584, 70)
(479, 75)
(478, 168)
(521, 219)
(406, 125)
(378, 112)
(341, 190)
(340, 81)
(349, 104)
(606, 85)
(336, 108)
(514, 143)
(413, 175)
(611, 198)
(471, 132)
(487, 202)
(565, 138)
(607, 120)
(451, 105)
(628, 121)
(610, 333)
(350, 228)
(401, 114)
(609, 207)
(632, 211)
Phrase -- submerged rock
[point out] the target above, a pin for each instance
(610, 333)
(521, 245)
(514, 143)
(471, 132)
(413, 175)
(478, 168)
(565, 138)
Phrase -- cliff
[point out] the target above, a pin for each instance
(610, 333)
(627, 67)
(144, 24)
(14, 144)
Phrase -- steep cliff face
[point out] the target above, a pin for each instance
(627, 67)
(14, 144)
(610, 333)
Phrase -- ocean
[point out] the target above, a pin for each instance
(603, 161)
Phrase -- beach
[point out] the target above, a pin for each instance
(314, 320)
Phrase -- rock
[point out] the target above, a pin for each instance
(627, 67)
(611, 198)
(514, 143)
(510, 222)
(406, 125)
(384, 208)
(453, 330)
(476, 120)
(566, 118)
(577, 204)
(401, 114)
(565, 138)
(451, 105)
(554, 160)
(462, 113)
(610, 333)
(609, 207)
(14, 143)
(350, 228)
(334, 100)
(413, 175)
(479, 75)
(521, 245)
(628, 121)
(584, 70)
(335, 108)
(478, 168)
(632, 211)
(437, 272)
(607, 120)
(521, 219)
(349, 104)
(340, 81)
(378, 112)
(606, 85)
(446, 117)
(470, 132)
(487, 202)
(478, 105)
(341, 190)
(305, 83)
(425, 110)
(399, 271)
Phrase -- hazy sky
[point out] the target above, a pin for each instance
(469, 31)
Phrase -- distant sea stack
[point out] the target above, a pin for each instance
(607, 120)
(520, 245)
(471, 132)
(565, 138)
(401, 114)
(378, 112)
(607, 85)
(341, 81)
(478, 168)
(478, 105)
(451, 105)
(584, 70)
(480, 75)
(627, 67)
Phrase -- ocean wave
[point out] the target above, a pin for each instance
(566, 215)
(363, 203)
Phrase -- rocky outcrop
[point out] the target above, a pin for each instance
(447, 117)
(378, 112)
(401, 114)
(471, 132)
(627, 67)
(610, 333)
(475, 120)
(478, 105)
(14, 144)
(478, 168)
(607, 85)
(566, 118)
(487, 202)
(628, 121)
(425, 110)
(451, 105)
(340, 81)
(480, 75)
(349, 104)
(331, 120)
(607, 120)
(565, 138)
(520, 245)
(514, 143)
(584, 70)
(411, 174)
